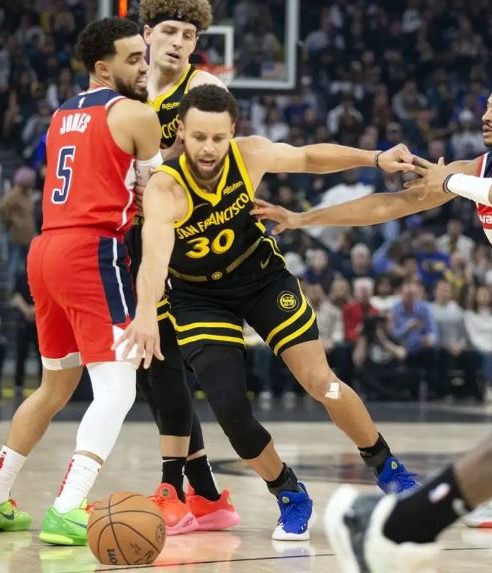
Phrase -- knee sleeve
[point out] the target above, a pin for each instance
(221, 374)
(167, 391)
(113, 386)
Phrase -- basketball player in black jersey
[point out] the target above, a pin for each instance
(225, 269)
(171, 30)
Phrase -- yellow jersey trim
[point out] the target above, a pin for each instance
(213, 198)
(190, 339)
(187, 88)
(295, 334)
(289, 321)
(177, 176)
(242, 169)
(156, 103)
(194, 325)
(163, 316)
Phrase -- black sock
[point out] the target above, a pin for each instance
(172, 473)
(286, 481)
(376, 455)
(421, 516)
(200, 476)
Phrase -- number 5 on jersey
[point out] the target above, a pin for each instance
(64, 173)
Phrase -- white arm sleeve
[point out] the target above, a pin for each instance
(471, 187)
(144, 168)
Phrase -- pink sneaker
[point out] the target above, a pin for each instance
(212, 515)
(175, 513)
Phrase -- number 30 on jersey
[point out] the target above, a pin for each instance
(202, 245)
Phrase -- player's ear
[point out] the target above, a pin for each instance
(147, 34)
(233, 130)
(180, 131)
(102, 70)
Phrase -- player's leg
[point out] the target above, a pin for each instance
(221, 373)
(286, 321)
(176, 420)
(28, 426)
(399, 533)
(98, 309)
(60, 377)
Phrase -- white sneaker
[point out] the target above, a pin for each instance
(480, 517)
(354, 524)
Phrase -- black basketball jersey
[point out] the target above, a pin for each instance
(166, 106)
(217, 233)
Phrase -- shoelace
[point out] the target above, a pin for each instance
(404, 478)
(299, 511)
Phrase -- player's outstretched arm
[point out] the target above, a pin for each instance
(321, 157)
(368, 210)
(160, 209)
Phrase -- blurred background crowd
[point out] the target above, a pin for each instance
(404, 308)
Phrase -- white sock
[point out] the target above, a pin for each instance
(79, 479)
(10, 465)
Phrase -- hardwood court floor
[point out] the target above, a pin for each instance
(322, 455)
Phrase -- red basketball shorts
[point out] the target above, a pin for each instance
(83, 296)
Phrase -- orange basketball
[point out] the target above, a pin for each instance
(126, 529)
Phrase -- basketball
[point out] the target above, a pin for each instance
(126, 529)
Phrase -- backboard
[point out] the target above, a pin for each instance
(252, 44)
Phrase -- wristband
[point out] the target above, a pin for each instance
(376, 158)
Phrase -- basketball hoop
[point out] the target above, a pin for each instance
(225, 73)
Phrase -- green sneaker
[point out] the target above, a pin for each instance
(12, 519)
(65, 528)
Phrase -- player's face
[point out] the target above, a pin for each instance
(129, 68)
(487, 124)
(207, 136)
(171, 44)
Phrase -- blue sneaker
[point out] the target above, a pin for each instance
(395, 478)
(296, 509)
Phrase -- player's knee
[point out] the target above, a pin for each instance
(221, 373)
(247, 436)
(324, 385)
(113, 386)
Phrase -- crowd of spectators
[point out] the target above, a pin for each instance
(404, 308)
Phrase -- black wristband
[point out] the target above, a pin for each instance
(445, 187)
(376, 159)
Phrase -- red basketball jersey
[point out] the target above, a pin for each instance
(85, 185)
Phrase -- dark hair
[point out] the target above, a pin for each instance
(96, 41)
(209, 97)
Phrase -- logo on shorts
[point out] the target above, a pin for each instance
(217, 276)
(287, 300)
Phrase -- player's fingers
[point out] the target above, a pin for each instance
(278, 229)
(148, 354)
(262, 203)
(441, 161)
(157, 350)
(421, 170)
(403, 165)
(120, 340)
(421, 162)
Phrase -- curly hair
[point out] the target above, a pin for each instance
(209, 97)
(96, 41)
(197, 12)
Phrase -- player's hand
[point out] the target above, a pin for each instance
(398, 158)
(286, 219)
(141, 335)
(139, 191)
(431, 177)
